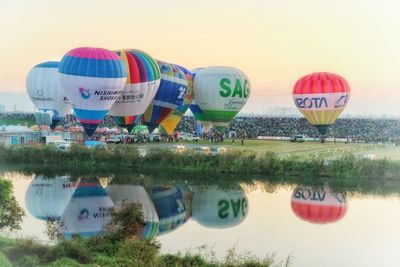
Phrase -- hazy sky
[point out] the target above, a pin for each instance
(273, 41)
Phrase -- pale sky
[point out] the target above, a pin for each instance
(274, 42)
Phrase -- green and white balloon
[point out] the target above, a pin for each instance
(220, 92)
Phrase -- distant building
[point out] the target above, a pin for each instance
(2, 109)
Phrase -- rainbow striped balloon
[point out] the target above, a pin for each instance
(321, 97)
(170, 95)
(92, 79)
(143, 80)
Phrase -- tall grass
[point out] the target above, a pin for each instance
(247, 162)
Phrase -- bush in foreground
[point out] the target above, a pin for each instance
(119, 246)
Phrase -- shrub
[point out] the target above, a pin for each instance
(11, 213)
(141, 252)
(4, 262)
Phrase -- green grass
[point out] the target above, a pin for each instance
(341, 165)
(11, 121)
(287, 148)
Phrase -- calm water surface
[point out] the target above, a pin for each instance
(318, 226)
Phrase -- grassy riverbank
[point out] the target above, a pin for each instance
(81, 252)
(246, 162)
(118, 245)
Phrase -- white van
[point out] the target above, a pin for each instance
(188, 137)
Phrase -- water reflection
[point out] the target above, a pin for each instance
(46, 198)
(250, 213)
(84, 207)
(122, 194)
(318, 205)
(88, 210)
(219, 208)
(171, 209)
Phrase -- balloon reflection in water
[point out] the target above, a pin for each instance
(88, 211)
(219, 208)
(171, 209)
(124, 194)
(320, 205)
(46, 198)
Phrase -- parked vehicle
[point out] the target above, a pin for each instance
(297, 138)
(188, 137)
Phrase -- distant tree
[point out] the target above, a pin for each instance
(11, 213)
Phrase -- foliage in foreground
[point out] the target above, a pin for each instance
(119, 246)
(120, 156)
(11, 213)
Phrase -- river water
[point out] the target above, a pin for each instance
(320, 224)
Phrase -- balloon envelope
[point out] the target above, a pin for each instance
(220, 92)
(170, 95)
(123, 194)
(143, 80)
(219, 208)
(92, 79)
(173, 119)
(43, 87)
(321, 97)
(88, 211)
(318, 206)
(46, 198)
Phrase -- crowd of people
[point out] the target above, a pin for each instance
(368, 130)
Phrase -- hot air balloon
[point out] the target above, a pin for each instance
(321, 97)
(122, 194)
(143, 80)
(88, 211)
(319, 206)
(170, 205)
(44, 90)
(46, 198)
(170, 95)
(220, 92)
(92, 79)
(219, 208)
(196, 110)
(172, 120)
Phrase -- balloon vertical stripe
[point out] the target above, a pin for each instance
(141, 87)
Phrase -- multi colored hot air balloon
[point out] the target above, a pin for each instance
(219, 208)
(143, 80)
(171, 94)
(43, 86)
(92, 79)
(172, 120)
(88, 211)
(123, 194)
(318, 205)
(220, 92)
(170, 205)
(321, 97)
(46, 198)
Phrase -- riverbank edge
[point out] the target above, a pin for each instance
(233, 162)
